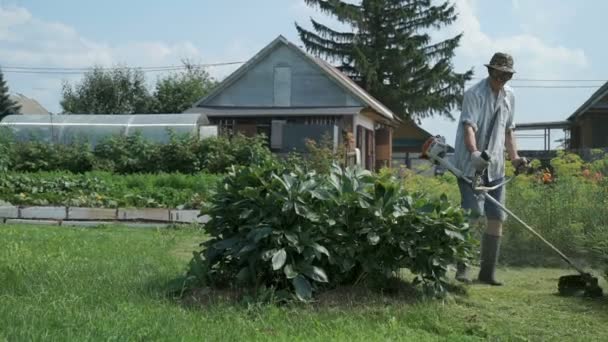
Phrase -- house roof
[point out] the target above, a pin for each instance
(591, 101)
(541, 125)
(339, 77)
(28, 105)
(275, 111)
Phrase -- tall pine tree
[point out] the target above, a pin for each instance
(7, 106)
(389, 52)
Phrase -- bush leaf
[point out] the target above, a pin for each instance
(278, 259)
(317, 274)
(320, 248)
(303, 288)
(454, 235)
(290, 273)
(373, 238)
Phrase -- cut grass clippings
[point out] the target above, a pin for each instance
(74, 284)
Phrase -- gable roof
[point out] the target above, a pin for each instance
(340, 78)
(28, 105)
(591, 101)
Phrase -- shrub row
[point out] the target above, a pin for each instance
(134, 154)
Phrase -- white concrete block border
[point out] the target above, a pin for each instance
(75, 216)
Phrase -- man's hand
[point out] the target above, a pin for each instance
(478, 162)
(520, 164)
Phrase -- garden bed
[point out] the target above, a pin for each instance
(52, 215)
(106, 190)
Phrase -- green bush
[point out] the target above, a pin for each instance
(33, 156)
(320, 156)
(218, 154)
(130, 154)
(180, 154)
(6, 149)
(301, 232)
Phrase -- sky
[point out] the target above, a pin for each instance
(552, 41)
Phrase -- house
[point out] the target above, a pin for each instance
(589, 123)
(28, 105)
(290, 95)
(585, 129)
(408, 139)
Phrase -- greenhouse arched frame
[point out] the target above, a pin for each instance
(93, 128)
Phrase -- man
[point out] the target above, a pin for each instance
(486, 124)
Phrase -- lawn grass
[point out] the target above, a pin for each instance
(71, 284)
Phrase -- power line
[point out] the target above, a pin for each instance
(70, 70)
(58, 72)
(81, 69)
(558, 80)
(551, 80)
(555, 87)
(47, 69)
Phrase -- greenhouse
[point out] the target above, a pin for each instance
(93, 128)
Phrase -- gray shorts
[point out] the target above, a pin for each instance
(478, 204)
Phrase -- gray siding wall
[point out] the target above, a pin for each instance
(308, 85)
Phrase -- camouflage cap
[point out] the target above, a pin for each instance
(501, 61)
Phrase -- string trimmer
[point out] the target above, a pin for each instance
(435, 149)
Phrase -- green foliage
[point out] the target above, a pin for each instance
(419, 181)
(218, 154)
(134, 154)
(102, 189)
(180, 154)
(320, 156)
(35, 156)
(569, 208)
(301, 232)
(120, 90)
(6, 149)
(567, 164)
(7, 106)
(179, 91)
(130, 154)
(123, 90)
(389, 52)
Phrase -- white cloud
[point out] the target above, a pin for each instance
(28, 41)
(534, 57)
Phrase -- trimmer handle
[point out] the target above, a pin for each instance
(485, 156)
(477, 180)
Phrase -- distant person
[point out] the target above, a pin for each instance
(486, 123)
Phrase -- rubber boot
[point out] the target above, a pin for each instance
(490, 246)
(462, 273)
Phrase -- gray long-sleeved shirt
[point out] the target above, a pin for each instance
(478, 107)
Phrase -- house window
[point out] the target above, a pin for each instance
(321, 120)
(226, 126)
(282, 86)
(264, 128)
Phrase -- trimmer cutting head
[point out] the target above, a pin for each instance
(579, 284)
